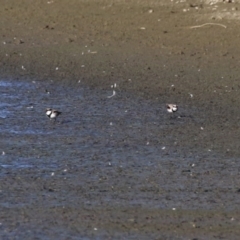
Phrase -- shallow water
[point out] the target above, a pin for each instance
(122, 152)
(91, 123)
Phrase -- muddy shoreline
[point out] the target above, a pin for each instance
(123, 168)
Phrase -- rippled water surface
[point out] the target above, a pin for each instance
(123, 152)
(91, 123)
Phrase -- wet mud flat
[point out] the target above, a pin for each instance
(119, 167)
(109, 168)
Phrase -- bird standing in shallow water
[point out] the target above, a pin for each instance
(52, 114)
(171, 108)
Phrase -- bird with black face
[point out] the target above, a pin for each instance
(171, 108)
(52, 113)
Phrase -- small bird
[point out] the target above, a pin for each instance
(171, 108)
(52, 114)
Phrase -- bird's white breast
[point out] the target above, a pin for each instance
(48, 112)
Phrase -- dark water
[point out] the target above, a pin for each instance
(119, 152)
(119, 128)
